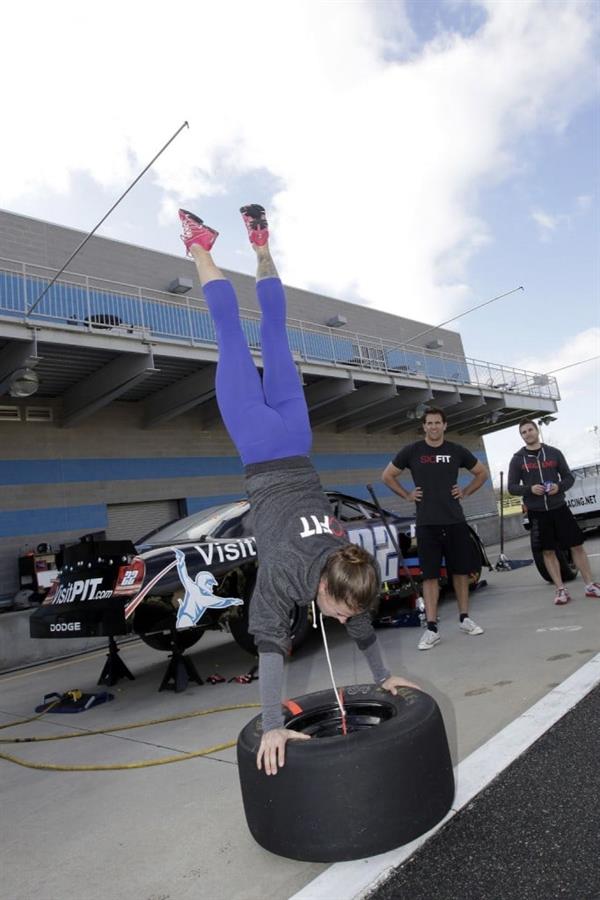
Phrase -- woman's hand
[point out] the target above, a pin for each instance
(271, 752)
(394, 681)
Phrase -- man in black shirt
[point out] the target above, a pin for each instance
(442, 530)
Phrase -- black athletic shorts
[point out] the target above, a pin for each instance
(452, 542)
(555, 529)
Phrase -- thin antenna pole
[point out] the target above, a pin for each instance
(501, 513)
(460, 315)
(571, 365)
(103, 219)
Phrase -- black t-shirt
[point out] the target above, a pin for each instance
(435, 470)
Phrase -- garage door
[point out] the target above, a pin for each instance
(130, 521)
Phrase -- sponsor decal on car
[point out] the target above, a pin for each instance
(575, 502)
(377, 542)
(81, 590)
(229, 552)
(211, 553)
(198, 595)
(130, 578)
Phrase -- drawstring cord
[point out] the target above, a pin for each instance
(338, 694)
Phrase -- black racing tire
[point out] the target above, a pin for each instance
(300, 624)
(341, 797)
(178, 641)
(568, 569)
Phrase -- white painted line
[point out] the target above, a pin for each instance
(561, 628)
(353, 880)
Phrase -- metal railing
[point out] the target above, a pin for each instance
(84, 302)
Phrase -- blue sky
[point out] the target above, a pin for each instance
(448, 151)
(559, 266)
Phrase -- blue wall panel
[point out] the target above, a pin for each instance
(53, 519)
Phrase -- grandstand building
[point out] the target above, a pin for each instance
(108, 418)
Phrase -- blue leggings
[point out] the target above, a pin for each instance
(265, 419)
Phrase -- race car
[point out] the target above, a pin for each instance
(198, 573)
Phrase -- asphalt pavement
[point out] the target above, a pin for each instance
(531, 835)
(177, 831)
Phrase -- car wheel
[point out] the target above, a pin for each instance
(300, 622)
(568, 569)
(341, 797)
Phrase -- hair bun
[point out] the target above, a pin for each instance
(355, 555)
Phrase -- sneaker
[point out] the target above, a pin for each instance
(592, 590)
(428, 640)
(256, 223)
(195, 231)
(470, 627)
(562, 596)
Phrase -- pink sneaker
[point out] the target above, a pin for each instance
(593, 589)
(562, 596)
(256, 223)
(195, 231)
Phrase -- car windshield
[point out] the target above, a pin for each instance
(210, 522)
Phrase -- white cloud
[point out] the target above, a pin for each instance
(547, 223)
(578, 409)
(379, 147)
(581, 346)
(584, 202)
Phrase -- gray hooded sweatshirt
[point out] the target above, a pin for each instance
(295, 533)
(529, 467)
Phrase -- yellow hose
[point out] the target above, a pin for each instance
(108, 767)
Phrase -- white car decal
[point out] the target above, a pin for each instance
(377, 542)
(198, 594)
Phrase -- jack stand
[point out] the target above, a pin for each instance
(180, 671)
(503, 564)
(114, 667)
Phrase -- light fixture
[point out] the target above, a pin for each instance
(435, 344)
(23, 383)
(180, 286)
(494, 416)
(337, 321)
(421, 410)
(545, 420)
